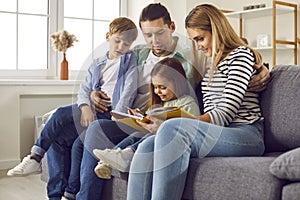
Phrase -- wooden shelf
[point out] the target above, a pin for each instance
(278, 47)
(278, 8)
(256, 13)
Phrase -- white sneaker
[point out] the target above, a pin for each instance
(102, 170)
(116, 158)
(26, 167)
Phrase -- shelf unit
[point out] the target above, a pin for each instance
(278, 8)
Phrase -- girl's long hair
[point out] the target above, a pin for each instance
(172, 70)
(208, 18)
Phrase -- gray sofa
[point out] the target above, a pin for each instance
(276, 175)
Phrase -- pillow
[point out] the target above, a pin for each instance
(287, 165)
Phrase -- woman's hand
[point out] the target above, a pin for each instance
(259, 82)
(100, 101)
(87, 115)
(153, 126)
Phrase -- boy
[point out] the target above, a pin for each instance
(110, 77)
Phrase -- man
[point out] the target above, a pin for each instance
(157, 29)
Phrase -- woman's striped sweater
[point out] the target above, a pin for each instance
(225, 96)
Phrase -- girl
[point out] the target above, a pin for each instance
(168, 87)
(231, 125)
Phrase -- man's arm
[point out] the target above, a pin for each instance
(99, 99)
(259, 81)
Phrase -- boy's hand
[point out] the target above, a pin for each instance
(259, 81)
(100, 101)
(87, 115)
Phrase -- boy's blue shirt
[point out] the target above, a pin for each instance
(126, 86)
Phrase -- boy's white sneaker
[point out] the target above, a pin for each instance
(116, 158)
(26, 167)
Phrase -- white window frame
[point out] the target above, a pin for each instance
(55, 23)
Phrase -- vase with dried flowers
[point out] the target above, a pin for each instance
(61, 41)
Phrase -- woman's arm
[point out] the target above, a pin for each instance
(235, 74)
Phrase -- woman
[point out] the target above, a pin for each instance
(231, 125)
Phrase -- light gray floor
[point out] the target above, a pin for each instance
(22, 188)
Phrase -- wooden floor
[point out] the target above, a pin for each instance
(22, 188)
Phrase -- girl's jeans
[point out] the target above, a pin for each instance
(159, 167)
(133, 140)
(57, 138)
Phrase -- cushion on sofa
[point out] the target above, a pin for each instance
(291, 191)
(287, 165)
(280, 107)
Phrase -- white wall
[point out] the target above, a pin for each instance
(21, 100)
(134, 8)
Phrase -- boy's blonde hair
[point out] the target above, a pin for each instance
(125, 27)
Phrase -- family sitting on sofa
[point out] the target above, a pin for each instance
(224, 81)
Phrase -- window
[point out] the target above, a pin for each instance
(27, 25)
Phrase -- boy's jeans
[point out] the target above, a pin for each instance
(57, 138)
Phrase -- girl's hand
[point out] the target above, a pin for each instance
(87, 115)
(135, 112)
(153, 125)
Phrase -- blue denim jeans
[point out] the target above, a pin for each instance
(73, 185)
(132, 140)
(159, 167)
(100, 134)
(57, 138)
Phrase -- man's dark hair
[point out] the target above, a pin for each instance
(155, 11)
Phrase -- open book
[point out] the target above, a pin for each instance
(161, 113)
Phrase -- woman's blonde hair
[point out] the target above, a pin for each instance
(208, 18)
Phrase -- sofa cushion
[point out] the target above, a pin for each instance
(287, 165)
(280, 104)
(291, 191)
(232, 178)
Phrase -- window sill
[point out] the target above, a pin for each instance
(32, 82)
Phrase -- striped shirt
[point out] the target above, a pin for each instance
(226, 98)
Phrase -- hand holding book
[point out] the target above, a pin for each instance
(160, 113)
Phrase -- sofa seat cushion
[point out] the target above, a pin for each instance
(291, 191)
(287, 165)
(232, 178)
